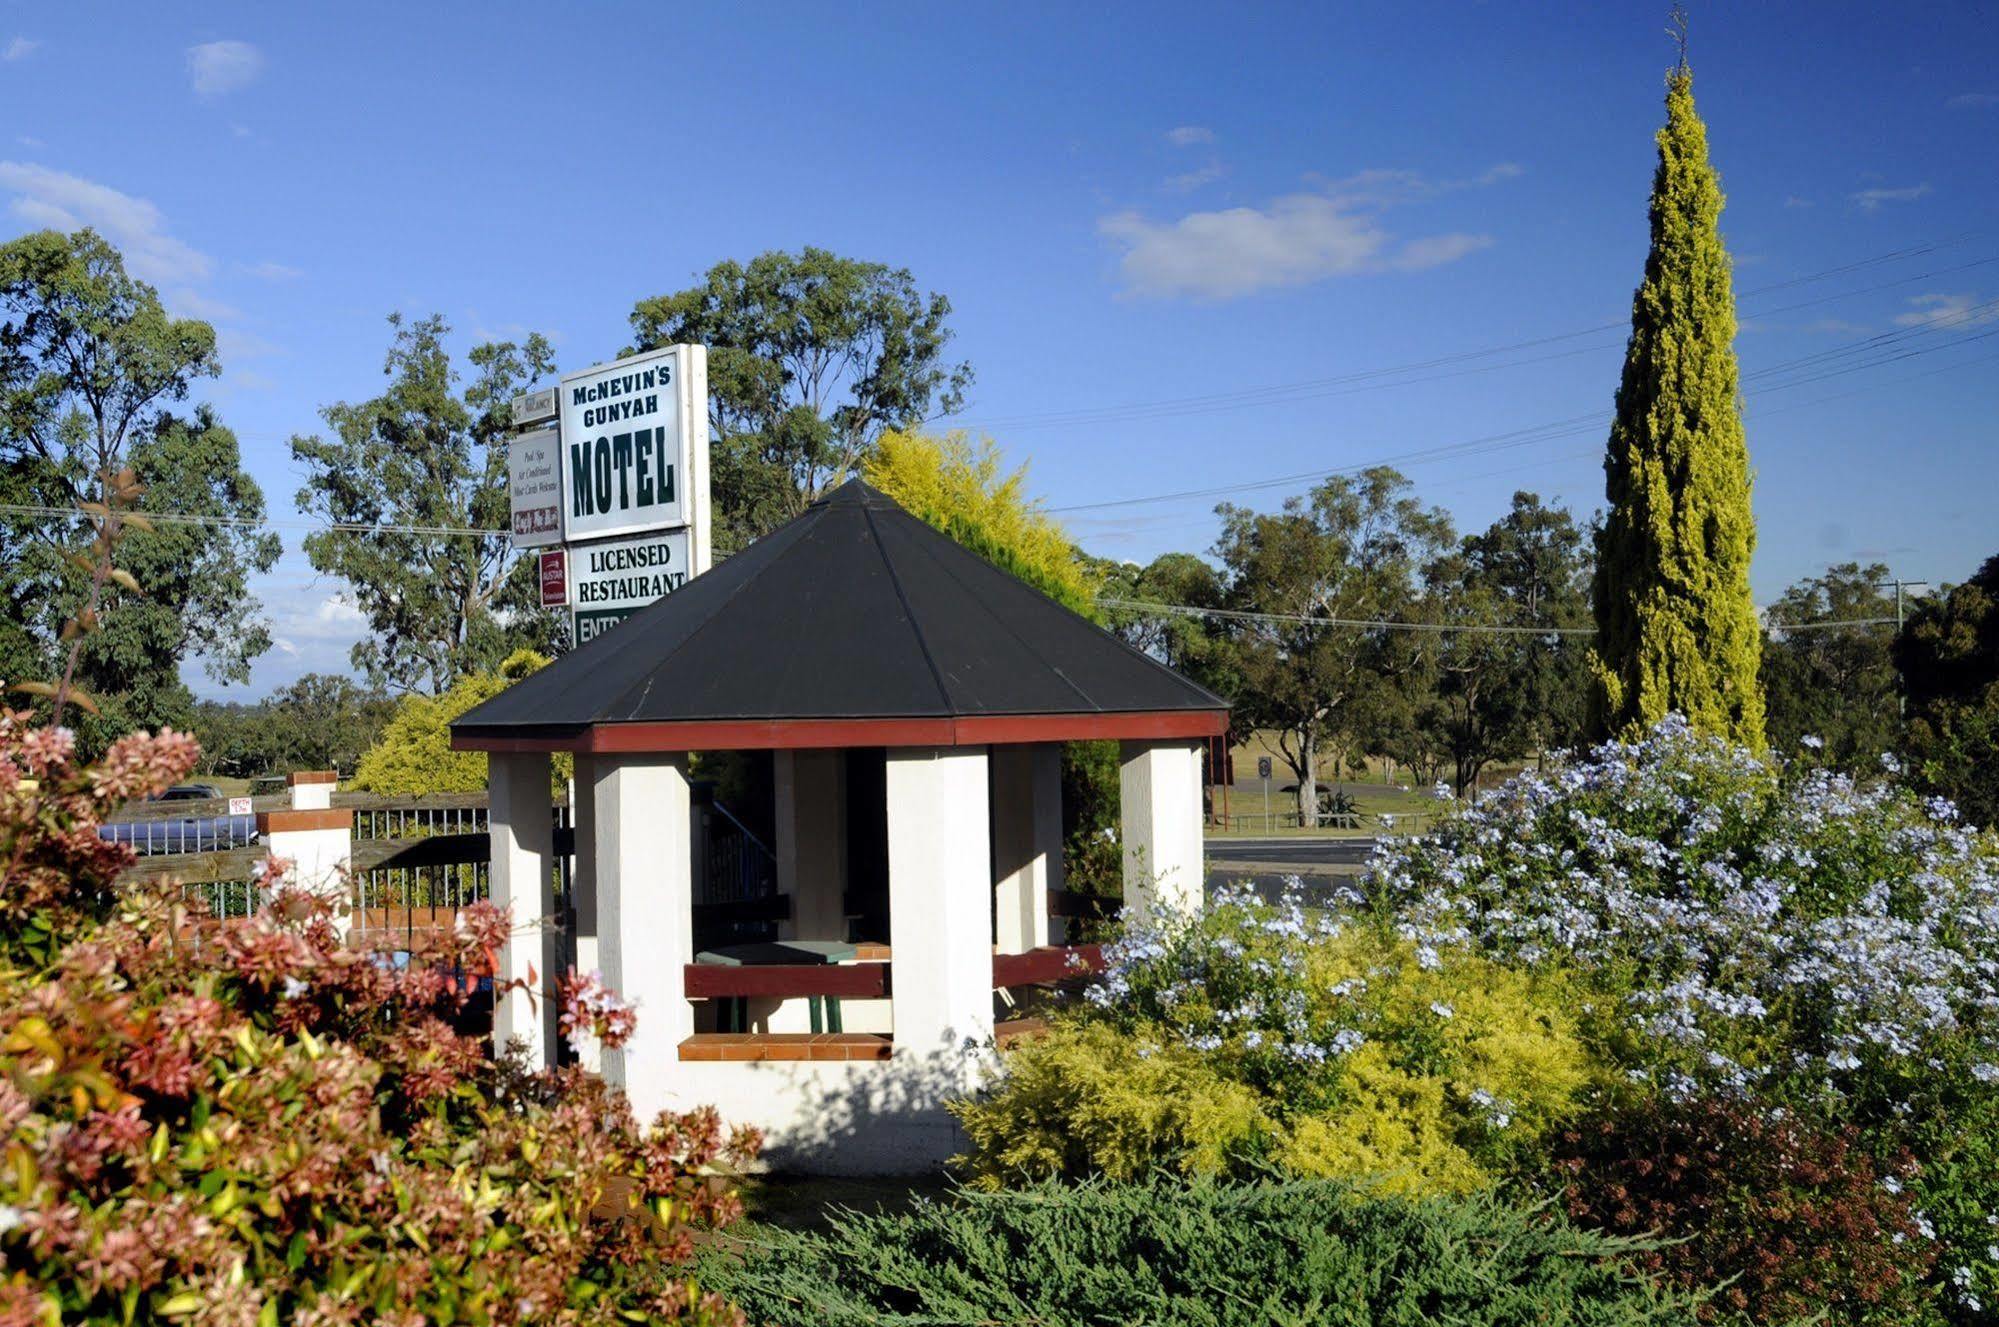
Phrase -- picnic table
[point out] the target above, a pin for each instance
(733, 1012)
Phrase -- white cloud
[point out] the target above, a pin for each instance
(1295, 240)
(270, 271)
(1792, 200)
(218, 67)
(1939, 310)
(1869, 200)
(302, 625)
(1189, 181)
(1189, 135)
(19, 49)
(53, 198)
(1969, 101)
(1436, 250)
(183, 302)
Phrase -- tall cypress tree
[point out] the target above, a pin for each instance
(1676, 626)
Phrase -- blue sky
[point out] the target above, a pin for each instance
(1144, 217)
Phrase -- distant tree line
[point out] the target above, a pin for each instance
(823, 366)
(322, 721)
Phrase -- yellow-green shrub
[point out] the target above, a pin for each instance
(414, 753)
(1088, 1100)
(1357, 1055)
(1394, 1134)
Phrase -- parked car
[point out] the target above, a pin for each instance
(190, 833)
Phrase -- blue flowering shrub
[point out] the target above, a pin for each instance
(1257, 1037)
(1754, 931)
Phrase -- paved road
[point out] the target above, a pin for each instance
(1321, 866)
(1291, 851)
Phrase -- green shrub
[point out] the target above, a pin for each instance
(1797, 1222)
(1089, 1100)
(1199, 1254)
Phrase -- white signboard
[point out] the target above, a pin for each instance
(534, 488)
(534, 407)
(635, 446)
(613, 578)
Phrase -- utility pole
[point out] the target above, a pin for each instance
(1901, 616)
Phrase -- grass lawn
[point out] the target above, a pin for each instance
(1412, 810)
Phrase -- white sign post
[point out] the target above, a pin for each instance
(613, 578)
(635, 448)
(534, 488)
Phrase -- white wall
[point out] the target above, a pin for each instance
(1027, 842)
(940, 905)
(811, 842)
(523, 839)
(645, 916)
(1159, 785)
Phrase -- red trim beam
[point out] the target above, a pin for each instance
(802, 734)
(875, 981)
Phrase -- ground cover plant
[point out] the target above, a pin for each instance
(1200, 1254)
(245, 1122)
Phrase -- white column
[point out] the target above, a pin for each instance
(1027, 842)
(521, 826)
(1159, 788)
(939, 899)
(311, 790)
(583, 882)
(645, 915)
(811, 842)
(316, 841)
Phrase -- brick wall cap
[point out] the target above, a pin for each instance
(284, 822)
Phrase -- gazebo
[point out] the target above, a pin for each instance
(914, 698)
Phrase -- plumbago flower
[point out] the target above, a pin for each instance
(247, 1122)
(1780, 935)
(1319, 1010)
(1235, 979)
(1754, 926)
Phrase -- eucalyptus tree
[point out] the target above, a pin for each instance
(413, 486)
(1835, 685)
(1505, 674)
(811, 357)
(1313, 581)
(98, 450)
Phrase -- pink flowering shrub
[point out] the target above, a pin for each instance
(244, 1122)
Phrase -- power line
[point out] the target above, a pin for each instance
(1368, 379)
(1148, 608)
(1871, 352)
(254, 522)
(1370, 624)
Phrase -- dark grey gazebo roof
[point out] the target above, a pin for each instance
(855, 624)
